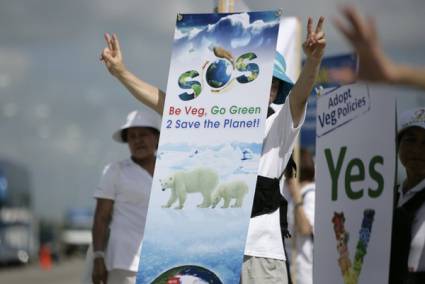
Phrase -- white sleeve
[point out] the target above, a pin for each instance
(107, 185)
(281, 133)
(308, 206)
(285, 126)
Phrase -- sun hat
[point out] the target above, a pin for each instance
(411, 118)
(137, 118)
(279, 72)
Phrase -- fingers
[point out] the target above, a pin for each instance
(346, 31)
(105, 55)
(112, 42)
(309, 26)
(108, 40)
(320, 35)
(319, 26)
(321, 42)
(115, 43)
(314, 36)
(354, 18)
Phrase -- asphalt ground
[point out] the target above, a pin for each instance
(66, 271)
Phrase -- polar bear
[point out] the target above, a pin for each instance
(202, 180)
(231, 190)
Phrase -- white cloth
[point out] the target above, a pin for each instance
(416, 261)
(304, 244)
(120, 276)
(129, 185)
(264, 236)
(88, 267)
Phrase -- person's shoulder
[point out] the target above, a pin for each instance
(123, 164)
(310, 187)
(116, 166)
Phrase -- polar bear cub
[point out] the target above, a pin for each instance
(202, 180)
(231, 190)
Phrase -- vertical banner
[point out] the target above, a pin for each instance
(355, 157)
(211, 140)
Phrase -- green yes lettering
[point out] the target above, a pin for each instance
(353, 170)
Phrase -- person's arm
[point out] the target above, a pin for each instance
(410, 76)
(374, 65)
(100, 232)
(313, 47)
(302, 224)
(148, 94)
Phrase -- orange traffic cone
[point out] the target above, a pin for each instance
(45, 257)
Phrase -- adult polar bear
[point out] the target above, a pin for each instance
(202, 180)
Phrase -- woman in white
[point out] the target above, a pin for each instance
(408, 236)
(122, 200)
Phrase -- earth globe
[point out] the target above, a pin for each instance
(188, 274)
(219, 73)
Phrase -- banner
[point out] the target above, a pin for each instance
(335, 70)
(355, 159)
(211, 140)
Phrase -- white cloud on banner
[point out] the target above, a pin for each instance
(243, 33)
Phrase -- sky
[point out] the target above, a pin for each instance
(59, 106)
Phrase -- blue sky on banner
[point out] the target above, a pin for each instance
(246, 30)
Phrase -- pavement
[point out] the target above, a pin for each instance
(68, 271)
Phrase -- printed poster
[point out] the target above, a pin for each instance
(211, 140)
(355, 158)
(335, 70)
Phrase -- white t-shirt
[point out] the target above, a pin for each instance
(129, 186)
(264, 236)
(304, 244)
(416, 261)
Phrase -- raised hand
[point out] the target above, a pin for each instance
(111, 55)
(315, 43)
(361, 33)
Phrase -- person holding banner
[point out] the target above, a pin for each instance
(265, 260)
(374, 65)
(122, 198)
(408, 238)
(265, 257)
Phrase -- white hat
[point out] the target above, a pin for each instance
(147, 118)
(410, 118)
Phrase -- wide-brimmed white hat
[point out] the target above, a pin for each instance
(411, 118)
(136, 118)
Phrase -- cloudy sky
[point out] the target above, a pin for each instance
(59, 106)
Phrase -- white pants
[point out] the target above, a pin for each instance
(260, 270)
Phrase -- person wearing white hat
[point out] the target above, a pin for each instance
(122, 198)
(265, 260)
(408, 236)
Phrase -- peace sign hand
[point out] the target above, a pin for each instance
(111, 55)
(315, 43)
